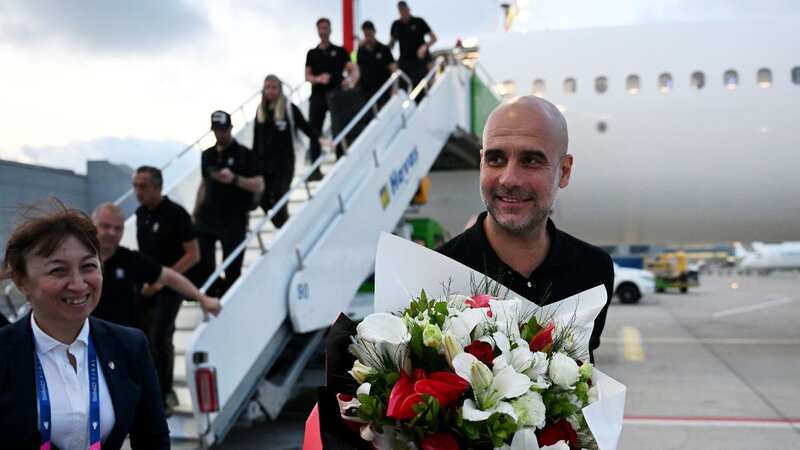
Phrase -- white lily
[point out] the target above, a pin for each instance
(461, 326)
(489, 390)
(519, 358)
(508, 313)
(524, 439)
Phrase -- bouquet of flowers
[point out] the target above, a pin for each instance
(475, 367)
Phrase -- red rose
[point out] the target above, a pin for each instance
(439, 441)
(543, 338)
(481, 350)
(559, 431)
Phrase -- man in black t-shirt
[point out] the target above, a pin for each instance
(165, 233)
(410, 32)
(524, 162)
(125, 272)
(375, 63)
(231, 177)
(325, 67)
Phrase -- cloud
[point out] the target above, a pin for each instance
(106, 26)
(131, 151)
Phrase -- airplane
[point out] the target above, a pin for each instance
(766, 258)
(681, 132)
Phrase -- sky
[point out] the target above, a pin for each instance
(135, 81)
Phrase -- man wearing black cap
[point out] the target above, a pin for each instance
(375, 62)
(410, 32)
(325, 67)
(230, 180)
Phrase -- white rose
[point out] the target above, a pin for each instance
(530, 410)
(563, 370)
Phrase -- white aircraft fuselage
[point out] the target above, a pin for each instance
(667, 162)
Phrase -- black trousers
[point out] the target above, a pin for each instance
(277, 180)
(317, 108)
(230, 239)
(159, 313)
(416, 69)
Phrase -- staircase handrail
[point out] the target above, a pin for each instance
(196, 142)
(303, 180)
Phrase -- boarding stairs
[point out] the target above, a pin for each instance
(296, 280)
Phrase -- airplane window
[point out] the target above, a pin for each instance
(796, 75)
(764, 78)
(601, 85)
(538, 87)
(570, 85)
(698, 80)
(633, 84)
(731, 79)
(665, 83)
(507, 88)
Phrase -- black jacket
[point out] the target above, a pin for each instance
(273, 142)
(132, 384)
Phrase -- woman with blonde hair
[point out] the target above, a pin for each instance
(71, 381)
(273, 141)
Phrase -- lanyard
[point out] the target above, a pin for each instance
(43, 395)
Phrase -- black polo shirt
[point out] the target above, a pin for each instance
(225, 206)
(123, 276)
(410, 35)
(330, 60)
(162, 231)
(373, 66)
(571, 266)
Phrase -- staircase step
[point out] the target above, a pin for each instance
(189, 316)
(179, 369)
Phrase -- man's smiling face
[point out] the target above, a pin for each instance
(523, 163)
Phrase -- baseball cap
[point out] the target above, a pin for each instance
(220, 119)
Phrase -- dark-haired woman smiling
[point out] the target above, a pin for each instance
(70, 381)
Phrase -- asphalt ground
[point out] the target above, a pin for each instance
(717, 368)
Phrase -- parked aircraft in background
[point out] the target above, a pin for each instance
(765, 258)
(681, 132)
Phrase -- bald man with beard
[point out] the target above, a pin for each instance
(524, 163)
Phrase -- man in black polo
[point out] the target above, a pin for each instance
(325, 67)
(165, 233)
(230, 179)
(524, 162)
(375, 63)
(410, 32)
(126, 271)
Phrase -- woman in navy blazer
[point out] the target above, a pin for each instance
(44, 357)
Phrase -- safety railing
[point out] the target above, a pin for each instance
(197, 143)
(303, 181)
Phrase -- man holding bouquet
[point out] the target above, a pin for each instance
(524, 162)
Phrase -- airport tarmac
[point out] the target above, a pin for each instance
(716, 368)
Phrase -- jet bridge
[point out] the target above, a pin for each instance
(296, 280)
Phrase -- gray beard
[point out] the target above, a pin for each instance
(534, 220)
